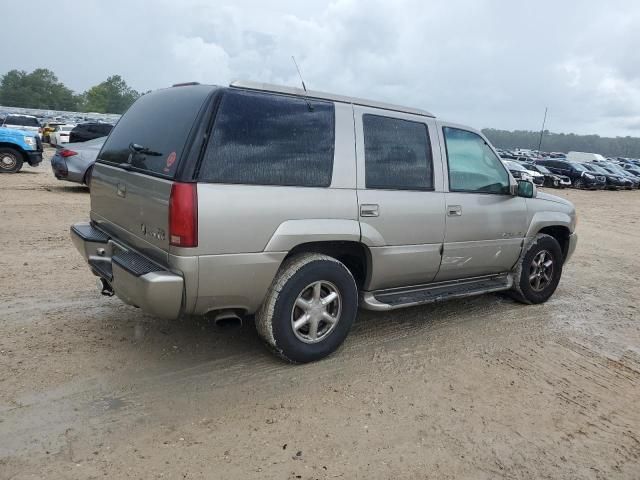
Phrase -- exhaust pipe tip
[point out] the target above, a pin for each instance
(227, 319)
(104, 287)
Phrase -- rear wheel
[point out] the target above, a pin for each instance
(10, 160)
(309, 308)
(539, 270)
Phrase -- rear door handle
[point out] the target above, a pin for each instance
(369, 210)
(454, 210)
(121, 190)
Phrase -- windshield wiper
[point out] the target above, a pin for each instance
(135, 148)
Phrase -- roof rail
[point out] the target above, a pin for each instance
(268, 87)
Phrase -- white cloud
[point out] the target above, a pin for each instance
(481, 62)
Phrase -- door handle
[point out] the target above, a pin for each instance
(454, 210)
(121, 190)
(369, 210)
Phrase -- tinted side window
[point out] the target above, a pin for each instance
(265, 139)
(397, 154)
(473, 167)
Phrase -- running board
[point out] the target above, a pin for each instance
(393, 298)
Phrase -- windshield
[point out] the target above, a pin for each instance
(542, 169)
(514, 166)
(597, 168)
(615, 168)
(579, 167)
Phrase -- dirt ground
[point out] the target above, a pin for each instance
(480, 388)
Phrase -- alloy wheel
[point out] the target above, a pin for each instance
(541, 270)
(316, 311)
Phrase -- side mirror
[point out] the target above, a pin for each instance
(525, 189)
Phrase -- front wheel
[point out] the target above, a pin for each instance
(578, 183)
(10, 160)
(309, 308)
(539, 270)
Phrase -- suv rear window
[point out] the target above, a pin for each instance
(22, 121)
(160, 122)
(266, 139)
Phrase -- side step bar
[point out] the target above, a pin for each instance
(393, 298)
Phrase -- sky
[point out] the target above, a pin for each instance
(484, 63)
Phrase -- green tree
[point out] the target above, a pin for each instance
(38, 89)
(111, 96)
(565, 142)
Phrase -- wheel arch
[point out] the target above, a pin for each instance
(353, 254)
(561, 233)
(15, 147)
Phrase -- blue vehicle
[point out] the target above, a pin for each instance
(18, 147)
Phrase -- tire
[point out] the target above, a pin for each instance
(578, 183)
(535, 279)
(10, 160)
(294, 294)
(87, 177)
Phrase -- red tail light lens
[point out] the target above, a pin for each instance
(183, 215)
(65, 152)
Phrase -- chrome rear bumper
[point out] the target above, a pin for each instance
(134, 279)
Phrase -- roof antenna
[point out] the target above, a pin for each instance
(304, 87)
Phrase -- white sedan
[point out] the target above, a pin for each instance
(60, 134)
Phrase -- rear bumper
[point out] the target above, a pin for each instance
(573, 242)
(134, 279)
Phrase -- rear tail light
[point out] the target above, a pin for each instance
(183, 215)
(65, 152)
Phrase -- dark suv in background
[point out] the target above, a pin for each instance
(580, 176)
(89, 131)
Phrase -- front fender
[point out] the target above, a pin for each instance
(544, 219)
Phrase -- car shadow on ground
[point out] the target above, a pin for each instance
(67, 188)
(195, 344)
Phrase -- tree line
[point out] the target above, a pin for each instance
(41, 89)
(565, 142)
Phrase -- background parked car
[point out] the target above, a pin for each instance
(618, 170)
(550, 179)
(580, 176)
(517, 170)
(74, 162)
(47, 128)
(22, 122)
(89, 131)
(60, 134)
(613, 181)
(18, 147)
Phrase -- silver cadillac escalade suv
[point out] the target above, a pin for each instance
(300, 206)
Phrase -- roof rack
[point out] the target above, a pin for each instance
(268, 87)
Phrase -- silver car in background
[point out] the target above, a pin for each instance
(74, 162)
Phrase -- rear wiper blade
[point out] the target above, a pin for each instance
(135, 148)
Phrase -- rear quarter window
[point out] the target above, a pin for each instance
(160, 122)
(267, 139)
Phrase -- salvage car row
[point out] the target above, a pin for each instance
(578, 170)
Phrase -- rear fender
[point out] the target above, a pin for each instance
(295, 232)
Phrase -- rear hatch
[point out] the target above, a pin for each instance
(136, 167)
